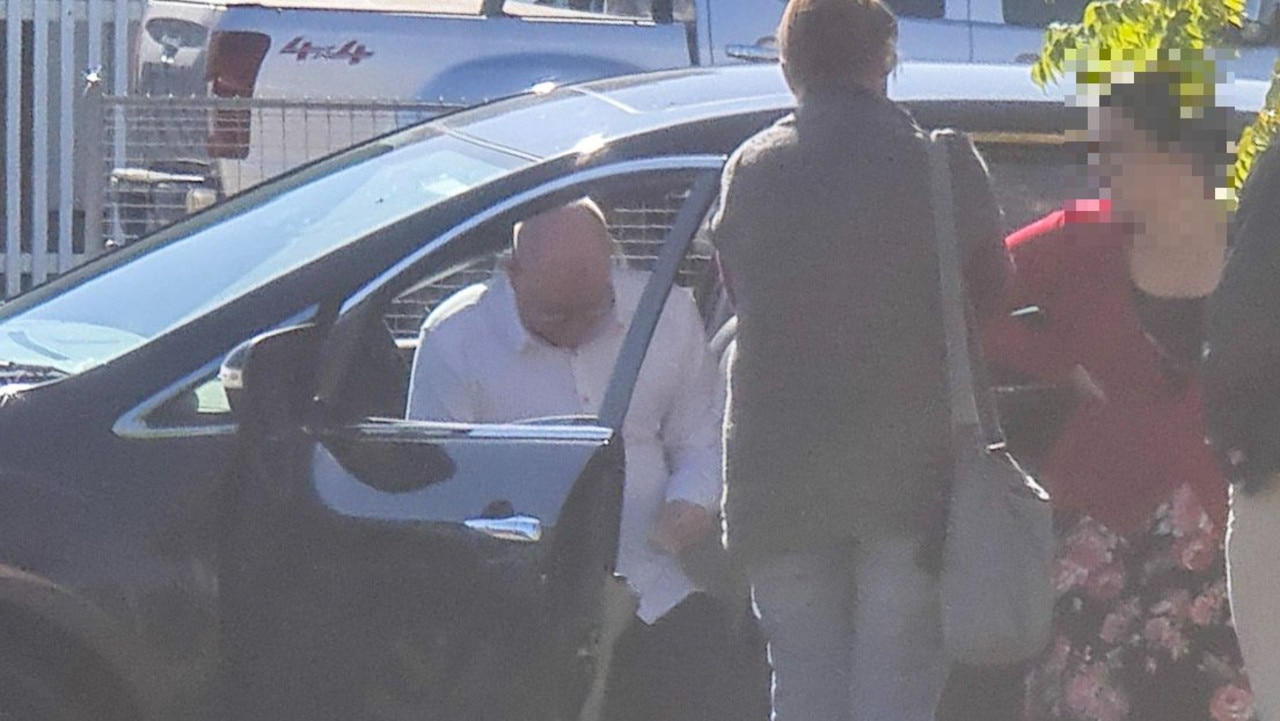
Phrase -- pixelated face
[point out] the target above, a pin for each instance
(1143, 177)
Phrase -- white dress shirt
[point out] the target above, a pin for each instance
(477, 363)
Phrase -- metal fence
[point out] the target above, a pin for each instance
(53, 50)
(638, 224)
(162, 158)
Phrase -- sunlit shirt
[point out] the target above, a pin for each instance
(477, 363)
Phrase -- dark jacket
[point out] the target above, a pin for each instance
(837, 421)
(1241, 372)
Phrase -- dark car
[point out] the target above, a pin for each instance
(278, 543)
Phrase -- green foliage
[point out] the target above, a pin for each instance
(1115, 38)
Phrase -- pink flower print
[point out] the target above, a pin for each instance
(1112, 705)
(1105, 584)
(1089, 547)
(1114, 627)
(1175, 605)
(1162, 633)
(1196, 553)
(1186, 513)
(1205, 608)
(1231, 703)
(1091, 695)
(1084, 688)
(1056, 662)
(1067, 575)
(1130, 609)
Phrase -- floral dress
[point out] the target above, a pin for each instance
(1142, 626)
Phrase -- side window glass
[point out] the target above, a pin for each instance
(201, 404)
(682, 10)
(924, 9)
(1040, 13)
(1030, 180)
(475, 315)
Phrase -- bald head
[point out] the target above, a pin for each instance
(561, 273)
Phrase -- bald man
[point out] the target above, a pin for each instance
(541, 339)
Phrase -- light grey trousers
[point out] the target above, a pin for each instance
(1253, 576)
(854, 632)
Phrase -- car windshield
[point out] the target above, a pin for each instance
(119, 303)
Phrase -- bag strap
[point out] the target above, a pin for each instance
(953, 298)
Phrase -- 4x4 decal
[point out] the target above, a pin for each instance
(352, 51)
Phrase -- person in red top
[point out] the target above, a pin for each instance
(1142, 626)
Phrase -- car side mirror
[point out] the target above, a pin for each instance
(269, 379)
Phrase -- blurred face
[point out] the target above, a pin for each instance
(560, 273)
(1147, 183)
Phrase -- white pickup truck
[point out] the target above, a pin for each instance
(466, 51)
(455, 53)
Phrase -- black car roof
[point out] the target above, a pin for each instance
(559, 120)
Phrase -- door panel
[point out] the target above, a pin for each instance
(418, 474)
(389, 569)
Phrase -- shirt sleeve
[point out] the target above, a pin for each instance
(1036, 345)
(691, 427)
(437, 391)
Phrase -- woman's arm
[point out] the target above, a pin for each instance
(1027, 336)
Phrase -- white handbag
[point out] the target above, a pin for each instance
(995, 587)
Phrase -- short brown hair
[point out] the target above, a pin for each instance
(835, 42)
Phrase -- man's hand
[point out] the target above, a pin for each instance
(680, 525)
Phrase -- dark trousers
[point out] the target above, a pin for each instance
(693, 664)
(983, 693)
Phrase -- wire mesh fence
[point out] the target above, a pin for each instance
(164, 158)
(639, 224)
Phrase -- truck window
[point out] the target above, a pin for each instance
(1039, 13)
(926, 9)
(682, 10)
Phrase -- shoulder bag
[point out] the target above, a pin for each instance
(995, 585)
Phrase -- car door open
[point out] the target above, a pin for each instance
(377, 566)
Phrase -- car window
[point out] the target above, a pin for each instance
(120, 303)
(1031, 176)
(1039, 13)
(682, 10)
(203, 403)
(638, 221)
(467, 303)
(926, 9)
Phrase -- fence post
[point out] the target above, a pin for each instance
(13, 150)
(94, 189)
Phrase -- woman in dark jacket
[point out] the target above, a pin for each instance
(1142, 628)
(837, 421)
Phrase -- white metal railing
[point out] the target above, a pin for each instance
(53, 50)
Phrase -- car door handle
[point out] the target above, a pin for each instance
(758, 53)
(522, 529)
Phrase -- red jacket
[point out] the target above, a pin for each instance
(1117, 459)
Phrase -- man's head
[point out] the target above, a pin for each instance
(837, 44)
(560, 270)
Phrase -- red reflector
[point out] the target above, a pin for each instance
(234, 60)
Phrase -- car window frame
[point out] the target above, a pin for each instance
(367, 300)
